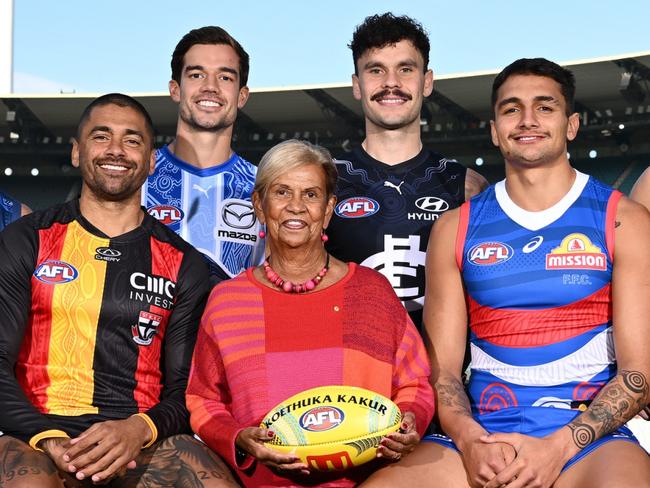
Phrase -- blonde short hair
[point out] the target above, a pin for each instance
(292, 154)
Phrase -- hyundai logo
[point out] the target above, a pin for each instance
(239, 215)
(432, 204)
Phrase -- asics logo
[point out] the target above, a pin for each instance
(534, 243)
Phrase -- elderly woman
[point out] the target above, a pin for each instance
(301, 320)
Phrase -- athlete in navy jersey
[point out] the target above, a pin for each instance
(10, 210)
(99, 309)
(200, 187)
(391, 189)
(384, 215)
(550, 269)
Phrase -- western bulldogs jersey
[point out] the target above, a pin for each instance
(539, 297)
(210, 208)
(384, 215)
(9, 210)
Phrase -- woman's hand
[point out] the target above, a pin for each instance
(398, 444)
(252, 439)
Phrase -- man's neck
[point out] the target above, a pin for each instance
(539, 188)
(202, 149)
(392, 146)
(112, 218)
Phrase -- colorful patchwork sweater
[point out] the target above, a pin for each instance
(257, 346)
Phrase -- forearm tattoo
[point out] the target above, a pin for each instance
(451, 393)
(624, 396)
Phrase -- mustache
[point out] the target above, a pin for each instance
(395, 91)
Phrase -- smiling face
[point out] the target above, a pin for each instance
(391, 84)
(114, 152)
(530, 126)
(209, 94)
(295, 207)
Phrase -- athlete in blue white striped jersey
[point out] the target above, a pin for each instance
(200, 187)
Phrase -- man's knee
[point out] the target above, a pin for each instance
(182, 460)
(23, 467)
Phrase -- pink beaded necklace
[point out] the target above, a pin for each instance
(289, 287)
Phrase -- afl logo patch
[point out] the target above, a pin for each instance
(357, 207)
(432, 204)
(489, 253)
(56, 272)
(167, 214)
(320, 419)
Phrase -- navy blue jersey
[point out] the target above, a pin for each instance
(384, 215)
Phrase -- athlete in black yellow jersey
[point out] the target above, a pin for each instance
(99, 310)
(88, 320)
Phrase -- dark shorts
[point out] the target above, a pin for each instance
(537, 422)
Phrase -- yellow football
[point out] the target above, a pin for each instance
(332, 428)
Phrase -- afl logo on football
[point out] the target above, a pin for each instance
(357, 207)
(167, 214)
(432, 204)
(320, 419)
(56, 272)
(489, 253)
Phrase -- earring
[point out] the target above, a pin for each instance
(262, 234)
(323, 237)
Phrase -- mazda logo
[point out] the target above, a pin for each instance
(239, 215)
(432, 204)
(108, 252)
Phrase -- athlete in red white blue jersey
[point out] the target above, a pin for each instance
(550, 269)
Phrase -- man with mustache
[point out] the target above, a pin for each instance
(99, 309)
(392, 189)
(201, 188)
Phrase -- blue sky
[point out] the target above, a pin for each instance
(126, 46)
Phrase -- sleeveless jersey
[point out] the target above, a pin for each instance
(384, 214)
(9, 210)
(210, 208)
(538, 290)
(95, 328)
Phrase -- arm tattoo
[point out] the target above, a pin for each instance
(618, 401)
(451, 393)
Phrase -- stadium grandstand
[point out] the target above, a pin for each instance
(612, 99)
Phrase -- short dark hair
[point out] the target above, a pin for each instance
(539, 67)
(209, 35)
(120, 100)
(378, 31)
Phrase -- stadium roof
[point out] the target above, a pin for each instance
(610, 91)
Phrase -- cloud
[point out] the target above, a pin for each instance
(28, 83)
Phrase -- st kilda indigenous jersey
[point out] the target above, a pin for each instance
(539, 297)
(384, 215)
(95, 328)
